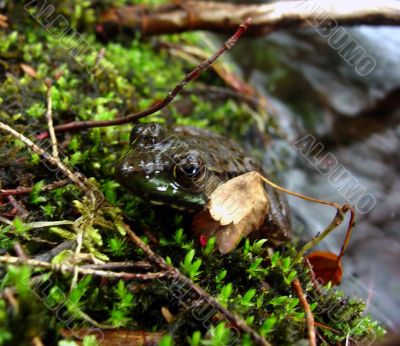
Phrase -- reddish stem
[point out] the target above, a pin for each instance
(312, 338)
(346, 208)
(79, 125)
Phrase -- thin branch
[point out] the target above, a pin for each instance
(119, 265)
(79, 240)
(41, 224)
(25, 190)
(79, 125)
(81, 181)
(19, 207)
(337, 220)
(64, 268)
(314, 280)
(312, 339)
(311, 199)
(175, 274)
(223, 17)
(5, 220)
(49, 117)
(348, 233)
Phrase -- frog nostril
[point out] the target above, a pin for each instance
(146, 132)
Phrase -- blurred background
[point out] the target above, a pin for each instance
(313, 90)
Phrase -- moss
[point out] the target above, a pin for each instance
(250, 281)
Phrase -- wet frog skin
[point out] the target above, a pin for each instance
(180, 166)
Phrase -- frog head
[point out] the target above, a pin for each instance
(164, 168)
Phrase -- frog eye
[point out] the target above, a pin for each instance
(189, 171)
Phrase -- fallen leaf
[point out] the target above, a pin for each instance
(3, 21)
(326, 267)
(237, 198)
(168, 317)
(29, 70)
(234, 210)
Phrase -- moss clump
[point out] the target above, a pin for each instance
(251, 281)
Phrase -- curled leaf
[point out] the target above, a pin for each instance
(29, 70)
(327, 267)
(234, 210)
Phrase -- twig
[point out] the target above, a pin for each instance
(49, 255)
(64, 268)
(5, 220)
(39, 224)
(79, 240)
(20, 251)
(348, 233)
(324, 326)
(175, 274)
(119, 265)
(81, 181)
(314, 281)
(78, 125)
(312, 339)
(25, 190)
(337, 220)
(20, 209)
(311, 199)
(49, 117)
(222, 17)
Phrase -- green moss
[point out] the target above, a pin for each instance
(250, 281)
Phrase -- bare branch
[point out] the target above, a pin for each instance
(79, 125)
(224, 17)
(64, 268)
(49, 117)
(81, 181)
(25, 190)
(312, 339)
(337, 220)
(120, 265)
(175, 274)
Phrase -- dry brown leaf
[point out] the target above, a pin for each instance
(3, 21)
(29, 70)
(168, 317)
(327, 267)
(237, 198)
(234, 210)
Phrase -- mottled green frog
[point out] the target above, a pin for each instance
(180, 166)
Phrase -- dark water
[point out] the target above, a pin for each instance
(316, 91)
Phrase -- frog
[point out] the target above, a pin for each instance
(180, 166)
